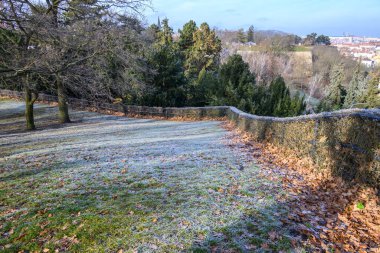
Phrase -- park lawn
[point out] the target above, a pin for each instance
(115, 184)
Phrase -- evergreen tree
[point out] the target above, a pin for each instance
(237, 88)
(362, 88)
(251, 34)
(237, 84)
(202, 91)
(186, 40)
(323, 40)
(277, 101)
(310, 39)
(241, 37)
(166, 33)
(159, 23)
(279, 98)
(353, 89)
(154, 32)
(169, 80)
(205, 52)
(372, 96)
(298, 105)
(336, 94)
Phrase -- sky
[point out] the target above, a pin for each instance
(301, 17)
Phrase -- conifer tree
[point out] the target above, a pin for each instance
(186, 40)
(251, 34)
(372, 96)
(353, 87)
(166, 33)
(362, 88)
(154, 32)
(166, 60)
(237, 84)
(241, 37)
(278, 102)
(279, 98)
(205, 52)
(298, 105)
(336, 91)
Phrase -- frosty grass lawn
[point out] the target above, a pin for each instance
(115, 184)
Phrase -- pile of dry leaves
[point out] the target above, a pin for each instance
(331, 214)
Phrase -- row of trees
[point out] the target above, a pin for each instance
(315, 39)
(237, 86)
(244, 37)
(189, 73)
(362, 90)
(312, 39)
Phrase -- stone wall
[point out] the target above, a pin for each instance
(211, 112)
(346, 142)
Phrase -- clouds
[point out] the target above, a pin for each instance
(231, 11)
(262, 19)
(331, 17)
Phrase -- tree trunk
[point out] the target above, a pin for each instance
(62, 103)
(29, 102)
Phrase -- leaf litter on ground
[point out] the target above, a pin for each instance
(332, 215)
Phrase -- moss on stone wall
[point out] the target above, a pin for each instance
(345, 142)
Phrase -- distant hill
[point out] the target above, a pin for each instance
(271, 33)
(230, 36)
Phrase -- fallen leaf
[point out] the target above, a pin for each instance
(273, 235)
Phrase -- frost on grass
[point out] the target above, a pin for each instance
(106, 183)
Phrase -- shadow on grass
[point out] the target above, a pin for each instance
(19, 111)
(22, 174)
(45, 118)
(308, 222)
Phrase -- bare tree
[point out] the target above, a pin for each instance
(57, 11)
(19, 30)
(314, 86)
(58, 39)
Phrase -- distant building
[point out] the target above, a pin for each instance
(360, 49)
(250, 43)
(368, 63)
(352, 40)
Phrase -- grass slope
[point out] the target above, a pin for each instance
(114, 184)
